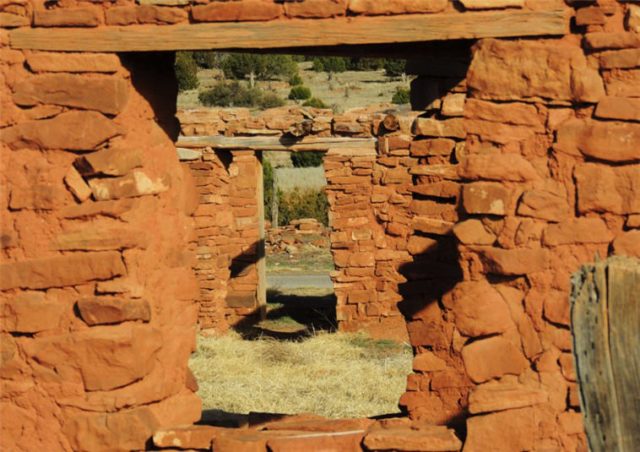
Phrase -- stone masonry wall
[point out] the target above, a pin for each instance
(477, 240)
(548, 181)
(366, 275)
(96, 289)
(68, 13)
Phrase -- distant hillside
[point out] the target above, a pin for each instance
(340, 91)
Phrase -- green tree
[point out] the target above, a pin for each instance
(207, 59)
(295, 80)
(306, 159)
(401, 96)
(314, 102)
(258, 67)
(395, 68)
(234, 94)
(186, 71)
(330, 64)
(270, 100)
(299, 93)
(366, 64)
(303, 203)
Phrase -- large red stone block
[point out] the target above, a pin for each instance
(107, 310)
(72, 62)
(101, 93)
(373, 7)
(152, 14)
(627, 244)
(544, 204)
(579, 230)
(61, 271)
(103, 357)
(517, 113)
(519, 261)
(487, 198)
(125, 430)
(620, 59)
(100, 236)
(494, 357)
(604, 188)
(478, 309)
(134, 184)
(473, 232)
(243, 10)
(505, 431)
(316, 8)
(510, 70)
(623, 83)
(623, 108)
(113, 161)
(497, 167)
(427, 438)
(29, 312)
(67, 17)
(428, 362)
(609, 141)
(72, 130)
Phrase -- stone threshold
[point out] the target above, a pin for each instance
(259, 432)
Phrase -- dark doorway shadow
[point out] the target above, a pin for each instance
(292, 317)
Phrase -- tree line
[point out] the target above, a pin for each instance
(264, 67)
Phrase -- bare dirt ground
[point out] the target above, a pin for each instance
(346, 90)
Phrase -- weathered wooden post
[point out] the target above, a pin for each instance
(605, 317)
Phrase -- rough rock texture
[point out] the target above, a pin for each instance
(97, 330)
(101, 312)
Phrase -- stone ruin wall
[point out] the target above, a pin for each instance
(547, 179)
(96, 278)
(369, 192)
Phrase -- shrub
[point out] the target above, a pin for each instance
(330, 64)
(207, 59)
(299, 93)
(314, 102)
(233, 94)
(271, 100)
(186, 71)
(307, 203)
(295, 80)
(260, 67)
(401, 96)
(366, 64)
(394, 68)
(306, 159)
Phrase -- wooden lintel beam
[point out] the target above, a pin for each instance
(294, 33)
(319, 144)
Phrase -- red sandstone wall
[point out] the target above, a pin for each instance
(96, 301)
(162, 12)
(547, 178)
(359, 189)
(547, 182)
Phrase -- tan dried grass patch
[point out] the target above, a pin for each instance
(334, 375)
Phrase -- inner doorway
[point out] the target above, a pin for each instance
(299, 296)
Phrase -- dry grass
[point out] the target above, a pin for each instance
(334, 375)
(291, 179)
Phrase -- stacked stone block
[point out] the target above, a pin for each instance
(96, 287)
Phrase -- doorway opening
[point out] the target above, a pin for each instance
(299, 291)
(303, 234)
